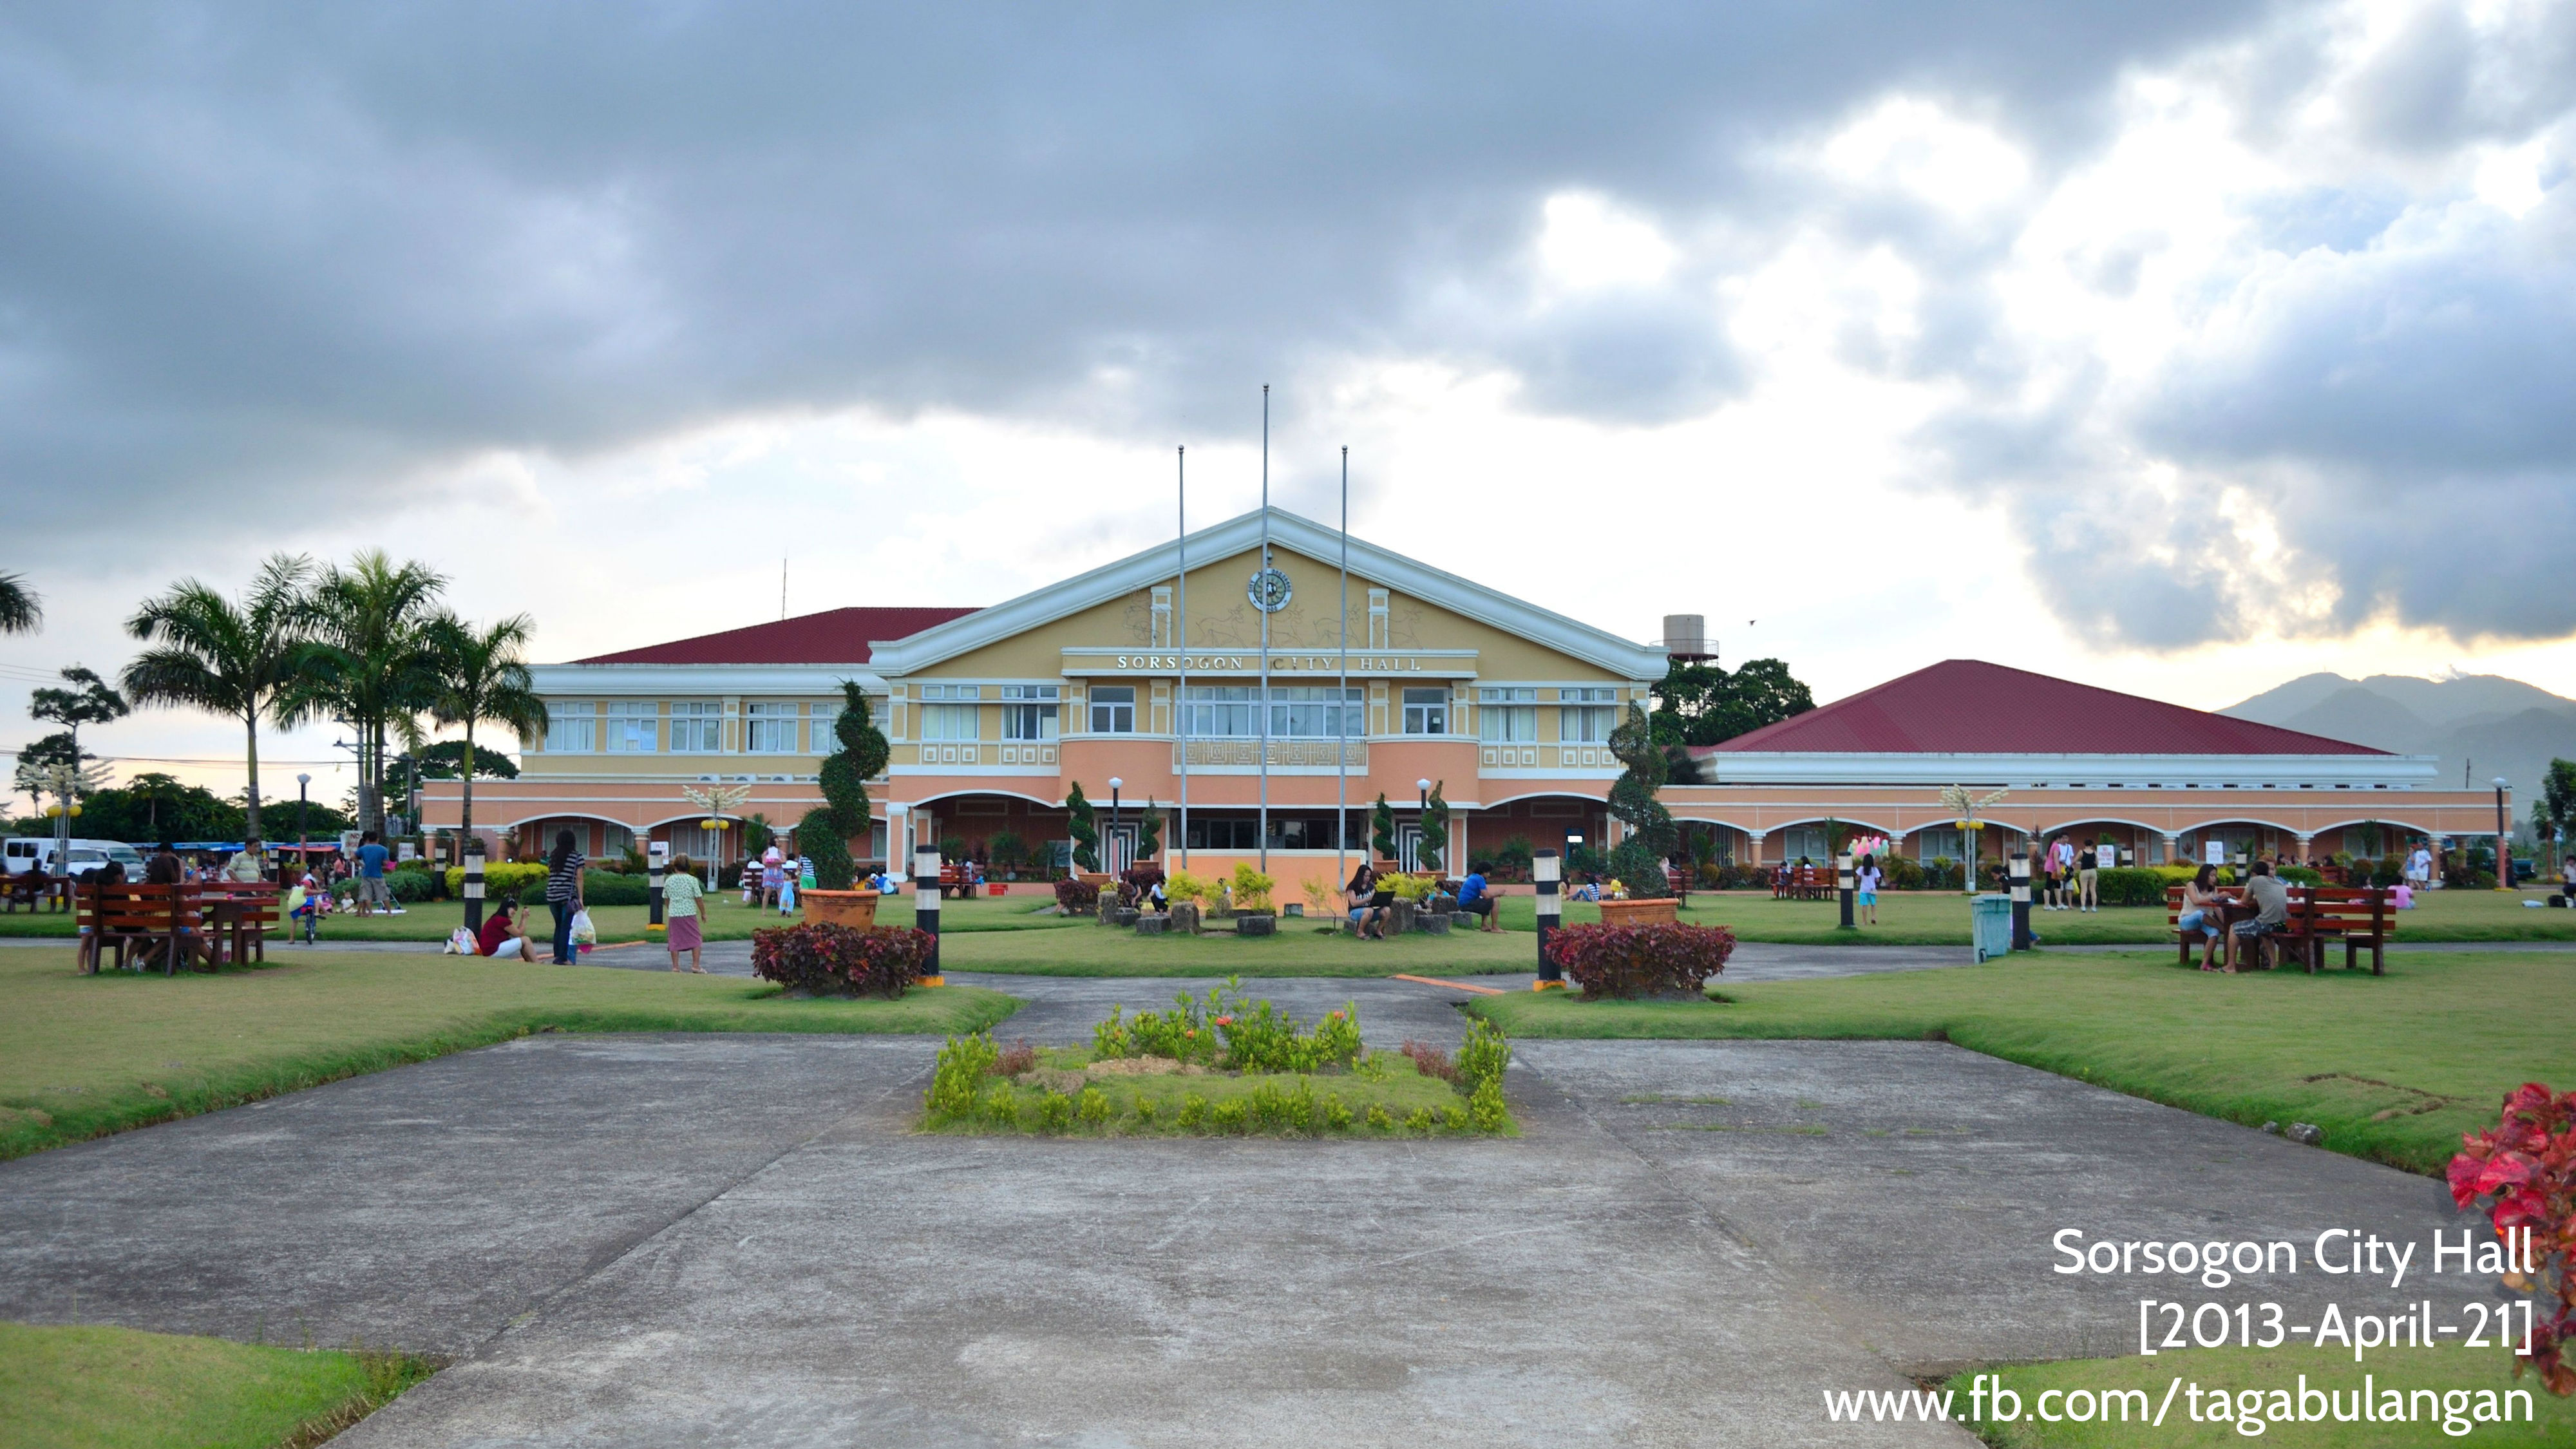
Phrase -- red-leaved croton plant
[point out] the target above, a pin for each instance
(2523, 1172)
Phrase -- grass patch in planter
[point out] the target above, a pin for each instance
(1221, 1066)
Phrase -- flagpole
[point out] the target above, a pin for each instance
(1262, 605)
(1181, 637)
(1342, 696)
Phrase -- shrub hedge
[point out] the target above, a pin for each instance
(841, 960)
(1077, 897)
(1641, 960)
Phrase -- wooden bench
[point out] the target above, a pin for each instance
(1804, 883)
(32, 888)
(142, 920)
(2357, 916)
(241, 915)
(956, 881)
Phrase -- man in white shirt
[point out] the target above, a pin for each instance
(2419, 868)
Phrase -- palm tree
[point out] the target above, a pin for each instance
(370, 664)
(224, 657)
(21, 612)
(481, 675)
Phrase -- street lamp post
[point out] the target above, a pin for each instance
(303, 843)
(1114, 783)
(1421, 817)
(2504, 841)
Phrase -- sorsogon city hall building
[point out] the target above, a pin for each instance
(1121, 673)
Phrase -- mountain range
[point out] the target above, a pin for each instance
(2482, 725)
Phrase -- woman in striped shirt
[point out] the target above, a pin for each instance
(563, 892)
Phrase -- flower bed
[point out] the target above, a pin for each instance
(828, 960)
(1632, 961)
(1220, 1066)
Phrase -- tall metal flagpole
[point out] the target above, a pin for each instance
(1181, 637)
(1262, 605)
(1342, 696)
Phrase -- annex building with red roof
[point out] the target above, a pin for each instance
(2054, 757)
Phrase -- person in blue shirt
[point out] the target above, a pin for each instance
(372, 891)
(1477, 898)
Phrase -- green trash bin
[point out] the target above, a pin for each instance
(1991, 917)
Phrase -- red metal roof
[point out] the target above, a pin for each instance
(1970, 707)
(835, 636)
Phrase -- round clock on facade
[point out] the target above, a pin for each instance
(1270, 591)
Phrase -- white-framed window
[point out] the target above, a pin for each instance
(1029, 711)
(632, 727)
(572, 727)
(1309, 712)
(769, 728)
(948, 722)
(1218, 711)
(1589, 723)
(1113, 709)
(1507, 715)
(697, 726)
(1426, 711)
(819, 739)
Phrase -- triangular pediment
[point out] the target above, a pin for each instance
(1221, 561)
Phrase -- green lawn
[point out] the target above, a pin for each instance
(2328, 1370)
(115, 1388)
(85, 1055)
(1923, 918)
(2394, 1068)
(1299, 948)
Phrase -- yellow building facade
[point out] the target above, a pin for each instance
(1133, 673)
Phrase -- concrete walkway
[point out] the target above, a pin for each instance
(719, 1240)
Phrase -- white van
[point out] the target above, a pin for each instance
(86, 857)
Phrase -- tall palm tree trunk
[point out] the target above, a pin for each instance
(250, 794)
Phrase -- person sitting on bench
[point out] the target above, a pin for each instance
(2202, 911)
(2272, 899)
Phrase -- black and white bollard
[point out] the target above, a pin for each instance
(474, 883)
(1551, 976)
(1843, 882)
(657, 864)
(2020, 867)
(925, 908)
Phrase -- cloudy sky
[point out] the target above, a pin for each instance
(2181, 348)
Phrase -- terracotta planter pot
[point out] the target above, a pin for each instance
(1640, 913)
(854, 909)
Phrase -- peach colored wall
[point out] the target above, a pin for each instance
(2129, 815)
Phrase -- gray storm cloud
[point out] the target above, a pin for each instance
(253, 248)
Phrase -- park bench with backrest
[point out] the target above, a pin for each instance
(2358, 916)
(1804, 883)
(32, 888)
(240, 914)
(141, 922)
